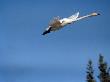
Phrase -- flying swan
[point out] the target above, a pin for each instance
(58, 23)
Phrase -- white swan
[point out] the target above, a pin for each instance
(58, 23)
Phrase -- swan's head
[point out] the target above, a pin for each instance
(95, 14)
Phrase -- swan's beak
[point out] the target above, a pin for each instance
(95, 14)
(98, 13)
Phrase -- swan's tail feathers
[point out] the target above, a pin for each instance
(75, 16)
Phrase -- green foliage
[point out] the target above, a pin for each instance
(104, 71)
(90, 72)
(104, 75)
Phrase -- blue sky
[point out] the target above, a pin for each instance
(27, 56)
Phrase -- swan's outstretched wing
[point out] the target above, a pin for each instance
(75, 16)
(55, 22)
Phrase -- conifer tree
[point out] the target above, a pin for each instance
(90, 72)
(104, 71)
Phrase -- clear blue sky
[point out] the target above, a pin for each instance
(27, 56)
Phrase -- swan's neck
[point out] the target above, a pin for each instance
(79, 18)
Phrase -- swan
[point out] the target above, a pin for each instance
(58, 23)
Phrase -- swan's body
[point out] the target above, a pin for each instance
(58, 23)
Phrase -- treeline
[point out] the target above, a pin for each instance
(104, 71)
